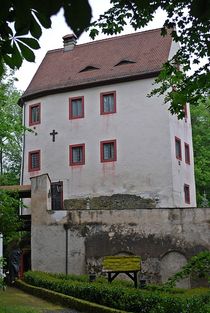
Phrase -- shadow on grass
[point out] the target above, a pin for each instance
(16, 301)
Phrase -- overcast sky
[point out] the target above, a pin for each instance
(52, 39)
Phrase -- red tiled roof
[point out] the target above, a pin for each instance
(60, 71)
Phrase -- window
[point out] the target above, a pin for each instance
(77, 154)
(187, 153)
(108, 102)
(187, 193)
(57, 195)
(76, 108)
(34, 161)
(34, 114)
(108, 151)
(178, 148)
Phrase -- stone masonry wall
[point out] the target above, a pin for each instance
(75, 241)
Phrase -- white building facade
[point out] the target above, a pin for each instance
(95, 129)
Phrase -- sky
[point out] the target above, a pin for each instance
(52, 39)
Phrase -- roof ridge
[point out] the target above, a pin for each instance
(120, 36)
(108, 39)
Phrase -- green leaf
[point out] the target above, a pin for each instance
(16, 56)
(31, 42)
(9, 61)
(73, 9)
(35, 29)
(26, 52)
(43, 19)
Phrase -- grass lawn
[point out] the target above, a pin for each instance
(16, 301)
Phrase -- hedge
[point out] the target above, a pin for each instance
(65, 300)
(122, 298)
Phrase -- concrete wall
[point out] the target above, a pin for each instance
(76, 241)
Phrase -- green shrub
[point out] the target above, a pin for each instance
(198, 266)
(127, 299)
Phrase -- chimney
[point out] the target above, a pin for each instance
(69, 41)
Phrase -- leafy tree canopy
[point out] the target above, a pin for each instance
(11, 128)
(11, 131)
(200, 117)
(18, 19)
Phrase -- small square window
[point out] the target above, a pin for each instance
(34, 161)
(187, 193)
(108, 102)
(108, 151)
(178, 148)
(34, 114)
(77, 154)
(76, 108)
(187, 153)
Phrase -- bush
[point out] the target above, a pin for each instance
(118, 297)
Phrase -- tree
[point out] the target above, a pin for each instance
(20, 30)
(11, 127)
(11, 130)
(20, 18)
(9, 217)
(200, 117)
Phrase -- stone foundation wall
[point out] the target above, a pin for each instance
(75, 241)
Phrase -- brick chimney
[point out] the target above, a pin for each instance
(69, 41)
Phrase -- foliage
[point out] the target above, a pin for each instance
(191, 18)
(11, 129)
(9, 218)
(198, 266)
(2, 264)
(22, 22)
(200, 117)
(67, 301)
(127, 299)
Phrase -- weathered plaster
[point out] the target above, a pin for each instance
(159, 236)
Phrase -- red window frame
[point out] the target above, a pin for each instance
(178, 156)
(187, 193)
(30, 168)
(71, 161)
(71, 116)
(187, 153)
(102, 143)
(38, 105)
(102, 94)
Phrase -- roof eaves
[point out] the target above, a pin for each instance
(91, 84)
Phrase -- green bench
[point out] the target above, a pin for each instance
(115, 265)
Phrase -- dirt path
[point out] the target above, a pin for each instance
(15, 297)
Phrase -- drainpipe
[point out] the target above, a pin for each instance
(23, 152)
(67, 249)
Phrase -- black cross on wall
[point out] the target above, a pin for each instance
(53, 135)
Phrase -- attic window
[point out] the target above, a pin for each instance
(125, 61)
(88, 68)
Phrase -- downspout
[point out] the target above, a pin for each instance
(67, 249)
(23, 153)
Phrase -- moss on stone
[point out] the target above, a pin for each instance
(122, 263)
(113, 202)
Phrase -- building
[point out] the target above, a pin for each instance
(95, 131)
